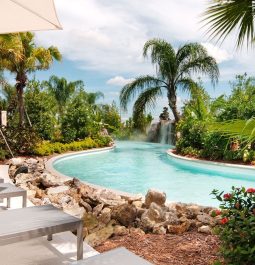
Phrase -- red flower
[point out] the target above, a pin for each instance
(218, 212)
(224, 220)
(250, 190)
(227, 196)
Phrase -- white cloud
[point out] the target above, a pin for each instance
(218, 53)
(108, 36)
(119, 81)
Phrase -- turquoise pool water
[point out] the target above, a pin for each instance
(137, 166)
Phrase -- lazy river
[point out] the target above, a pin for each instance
(136, 167)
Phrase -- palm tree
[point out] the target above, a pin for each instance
(226, 16)
(62, 90)
(174, 70)
(20, 55)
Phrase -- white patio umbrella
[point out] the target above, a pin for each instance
(27, 15)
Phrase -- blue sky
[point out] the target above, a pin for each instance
(102, 42)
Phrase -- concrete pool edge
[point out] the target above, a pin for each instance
(50, 168)
(212, 163)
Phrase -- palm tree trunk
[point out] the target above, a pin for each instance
(20, 85)
(172, 101)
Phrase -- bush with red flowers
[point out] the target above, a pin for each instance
(237, 225)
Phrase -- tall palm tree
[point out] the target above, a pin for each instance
(20, 55)
(62, 90)
(226, 16)
(174, 70)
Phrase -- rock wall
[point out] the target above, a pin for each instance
(104, 212)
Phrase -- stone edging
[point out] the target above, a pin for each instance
(49, 167)
(212, 163)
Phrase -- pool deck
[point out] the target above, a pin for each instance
(61, 250)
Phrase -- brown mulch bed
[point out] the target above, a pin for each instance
(191, 248)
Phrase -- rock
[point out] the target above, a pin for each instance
(64, 199)
(109, 198)
(49, 181)
(86, 206)
(206, 229)
(24, 178)
(46, 201)
(98, 237)
(98, 209)
(105, 216)
(159, 230)
(31, 161)
(156, 197)
(35, 201)
(56, 190)
(74, 210)
(136, 231)
(18, 161)
(137, 204)
(192, 211)
(90, 221)
(125, 214)
(21, 169)
(156, 213)
(204, 218)
(171, 217)
(179, 229)
(120, 230)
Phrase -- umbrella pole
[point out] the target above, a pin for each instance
(2, 134)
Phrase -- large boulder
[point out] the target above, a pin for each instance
(58, 189)
(107, 197)
(98, 237)
(24, 178)
(16, 161)
(48, 180)
(21, 169)
(74, 210)
(206, 229)
(31, 161)
(156, 197)
(125, 214)
(180, 228)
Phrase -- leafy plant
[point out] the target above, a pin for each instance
(237, 229)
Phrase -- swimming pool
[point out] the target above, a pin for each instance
(136, 167)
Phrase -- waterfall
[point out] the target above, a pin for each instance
(165, 131)
(161, 132)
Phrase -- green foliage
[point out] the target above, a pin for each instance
(237, 229)
(78, 121)
(47, 148)
(41, 109)
(110, 117)
(240, 104)
(21, 140)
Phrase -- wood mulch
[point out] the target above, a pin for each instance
(190, 248)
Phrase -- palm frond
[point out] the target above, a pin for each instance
(225, 16)
(186, 84)
(129, 91)
(205, 65)
(162, 55)
(147, 99)
(243, 129)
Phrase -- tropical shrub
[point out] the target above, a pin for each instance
(78, 122)
(237, 229)
(47, 148)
